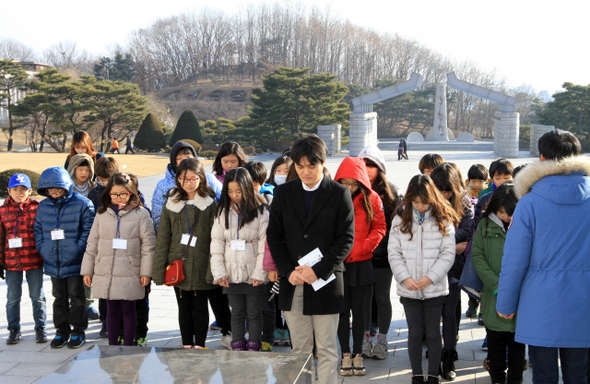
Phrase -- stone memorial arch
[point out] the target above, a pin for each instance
(363, 121)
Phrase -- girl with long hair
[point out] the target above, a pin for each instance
(238, 238)
(421, 251)
(189, 209)
(449, 182)
(82, 143)
(119, 255)
(279, 171)
(229, 156)
(359, 277)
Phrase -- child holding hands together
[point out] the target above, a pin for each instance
(119, 256)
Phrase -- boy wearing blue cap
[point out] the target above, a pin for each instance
(62, 227)
(18, 255)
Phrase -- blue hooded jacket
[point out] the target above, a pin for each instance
(545, 277)
(75, 214)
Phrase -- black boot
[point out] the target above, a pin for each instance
(417, 379)
(448, 364)
(432, 380)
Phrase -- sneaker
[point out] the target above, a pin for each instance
(226, 341)
(103, 331)
(286, 340)
(59, 341)
(484, 345)
(92, 313)
(14, 337)
(120, 340)
(374, 328)
(214, 326)
(367, 347)
(140, 341)
(358, 366)
(346, 365)
(76, 341)
(40, 335)
(471, 311)
(279, 335)
(266, 347)
(486, 363)
(380, 349)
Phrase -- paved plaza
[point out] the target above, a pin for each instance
(28, 362)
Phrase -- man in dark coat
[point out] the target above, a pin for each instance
(308, 213)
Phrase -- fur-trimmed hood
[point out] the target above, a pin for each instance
(564, 182)
(200, 202)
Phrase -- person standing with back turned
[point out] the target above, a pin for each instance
(545, 272)
(307, 213)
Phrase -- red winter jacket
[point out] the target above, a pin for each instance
(366, 236)
(25, 258)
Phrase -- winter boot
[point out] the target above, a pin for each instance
(448, 364)
(417, 379)
(239, 345)
(254, 345)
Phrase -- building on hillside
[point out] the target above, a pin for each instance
(32, 69)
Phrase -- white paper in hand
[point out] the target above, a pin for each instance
(311, 259)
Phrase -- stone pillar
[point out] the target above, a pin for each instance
(332, 136)
(538, 130)
(439, 131)
(506, 133)
(363, 132)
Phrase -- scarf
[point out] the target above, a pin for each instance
(83, 190)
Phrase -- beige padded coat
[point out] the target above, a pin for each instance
(240, 266)
(116, 273)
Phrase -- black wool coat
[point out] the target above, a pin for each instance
(291, 235)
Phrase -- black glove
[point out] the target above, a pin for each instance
(2, 272)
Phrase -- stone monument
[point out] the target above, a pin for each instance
(439, 131)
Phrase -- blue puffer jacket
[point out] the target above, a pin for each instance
(164, 185)
(62, 258)
(545, 276)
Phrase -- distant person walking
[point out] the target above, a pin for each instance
(116, 146)
(129, 146)
(402, 151)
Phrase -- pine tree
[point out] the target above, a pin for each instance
(187, 128)
(150, 135)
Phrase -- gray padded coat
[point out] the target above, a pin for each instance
(116, 272)
(429, 254)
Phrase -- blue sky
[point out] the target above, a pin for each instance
(524, 41)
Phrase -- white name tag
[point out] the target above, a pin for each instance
(185, 237)
(119, 244)
(238, 245)
(57, 234)
(17, 242)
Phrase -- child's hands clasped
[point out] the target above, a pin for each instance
(413, 285)
(223, 282)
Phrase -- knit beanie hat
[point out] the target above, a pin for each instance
(373, 153)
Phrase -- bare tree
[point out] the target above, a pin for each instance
(11, 49)
(65, 55)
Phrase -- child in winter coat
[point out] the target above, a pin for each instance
(81, 170)
(61, 227)
(369, 229)
(190, 204)
(18, 256)
(229, 156)
(487, 251)
(237, 253)
(119, 256)
(421, 251)
(449, 183)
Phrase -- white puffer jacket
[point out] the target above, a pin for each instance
(429, 254)
(240, 266)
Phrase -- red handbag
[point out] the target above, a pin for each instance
(175, 271)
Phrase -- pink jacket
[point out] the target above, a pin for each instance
(268, 263)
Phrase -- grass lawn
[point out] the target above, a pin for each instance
(141, 164)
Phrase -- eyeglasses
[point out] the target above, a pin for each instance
(193, 180)
(349, 185)
(119, 196)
